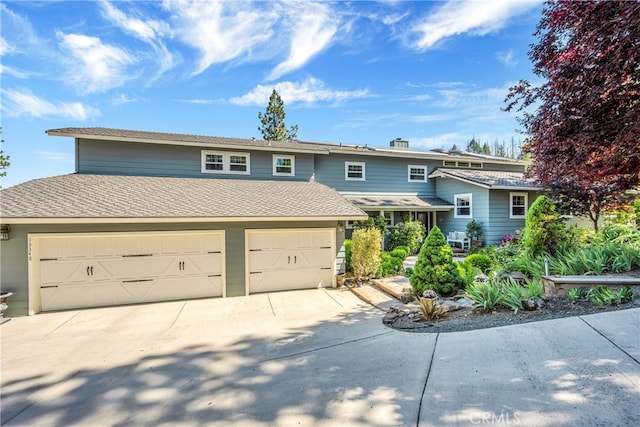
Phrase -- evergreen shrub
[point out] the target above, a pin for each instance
(435, 268)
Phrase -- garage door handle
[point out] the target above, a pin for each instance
(255, 272)
(289, 259)
(295, 259)
(46, 287)
(137, 280)
(326, 268)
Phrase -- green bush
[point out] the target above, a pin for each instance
(480, 261)
(544, 230)
(534, 289)
(347, 255)
(365, 252)
(435, 268)
(400, 252)
(511, 295)
(485, 295)
(409, 234)
(467, 271)
(390, 265)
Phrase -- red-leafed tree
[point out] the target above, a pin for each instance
(584, 134)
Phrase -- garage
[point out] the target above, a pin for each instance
(287, 259)
(102, 269)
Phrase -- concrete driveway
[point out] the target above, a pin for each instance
(316, 357)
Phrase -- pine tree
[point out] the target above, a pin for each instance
(486, 149)
(272, 121)
(4, 161)
(473, 146)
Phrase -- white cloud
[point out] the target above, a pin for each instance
(444, 140)
(27, 105)
(148, 30)
(315, 28)
(507, 58)
(476, 17)
(97, 66)
(5, 47)
(55, 156)
(221, 32)
(430, 118)
(309, 91)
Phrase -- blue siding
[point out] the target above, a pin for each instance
(383, 175)
(124, 158)
(500, 223)
(447, 222)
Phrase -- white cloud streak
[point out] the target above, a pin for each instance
(221, 32)
(309, 91)
(97, 66)
(507, 58)
(475, 17)
(314, 29)
(24, 104)
(148, 30)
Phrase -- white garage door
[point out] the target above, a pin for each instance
(92, 270)
(289, 259)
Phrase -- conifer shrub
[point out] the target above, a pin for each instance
(347, 255)
(365, 252)
(544, 230)
(435, 268)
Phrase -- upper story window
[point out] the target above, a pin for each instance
(474, 165)
(463, 205)
(354, 171)
(518, 203)
(417, 173)
(225, 162)
(284, 165)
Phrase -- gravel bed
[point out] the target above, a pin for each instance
(470, 319)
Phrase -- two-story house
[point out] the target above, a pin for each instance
(155, 216)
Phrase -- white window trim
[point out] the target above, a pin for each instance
(282, 156)
(416, 180)
(455, 203)
(346, 171)
(526, 205)
(226, 162)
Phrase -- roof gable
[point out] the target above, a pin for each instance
(494, 180)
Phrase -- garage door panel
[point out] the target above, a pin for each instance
(54, 272)
(79, 296)
(185, 287)
(204, 264)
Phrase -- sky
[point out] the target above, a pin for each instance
(432, 72)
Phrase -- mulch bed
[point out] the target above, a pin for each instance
(471, 319)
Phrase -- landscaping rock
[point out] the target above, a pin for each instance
(455, 305)
(532, 304)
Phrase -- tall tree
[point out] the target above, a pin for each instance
(584, 135)
(4, 160)
(473, 146)
(272, 124)
(486, 149)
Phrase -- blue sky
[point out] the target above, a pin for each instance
(434, 73)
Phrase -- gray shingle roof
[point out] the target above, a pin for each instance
(486, 178)
(258, 144)
(137, 197)
(397, 201)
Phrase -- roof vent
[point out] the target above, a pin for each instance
(399, 144)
